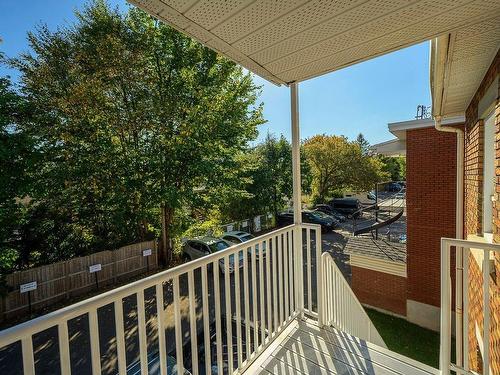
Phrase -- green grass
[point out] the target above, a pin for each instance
(406, 338)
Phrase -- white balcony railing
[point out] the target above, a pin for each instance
(466, 251)
(192, 310)
(178, 315)
(341, 308)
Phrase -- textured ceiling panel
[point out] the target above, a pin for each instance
(210, 13)
(257, 15)
(294, 40)
(471, 52)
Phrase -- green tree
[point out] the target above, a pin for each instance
(395, 166)
(134, 120)
(16, 158)
(337, 164)
(363, 143)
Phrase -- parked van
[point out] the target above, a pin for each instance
(347, 206)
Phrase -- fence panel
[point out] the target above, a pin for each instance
(61, 280)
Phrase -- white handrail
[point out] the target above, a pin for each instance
(483, 250)
(341, 308)
(253, 289)
(283, 276)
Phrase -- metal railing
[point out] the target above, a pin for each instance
(481, 253)
(242, 309)
(341, 308)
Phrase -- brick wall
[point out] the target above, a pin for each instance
(473, 177)
(379, 289)
(474, 133)
(430, 191)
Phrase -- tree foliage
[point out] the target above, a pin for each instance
(395, 166)
(132, 118)
(363, 143)
(337, 164)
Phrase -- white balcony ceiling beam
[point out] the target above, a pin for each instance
(294, 40)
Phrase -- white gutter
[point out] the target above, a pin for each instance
(439, 74)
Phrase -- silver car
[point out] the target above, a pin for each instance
(237, 236)
(199, 247)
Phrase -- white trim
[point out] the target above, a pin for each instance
(400, 128)
(379, 265)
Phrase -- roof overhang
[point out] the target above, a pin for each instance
(397, 146)
(294, 40)
(400, 128)
(394, 147)
(459, 61)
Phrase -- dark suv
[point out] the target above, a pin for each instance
(347, 206)
(312, 217)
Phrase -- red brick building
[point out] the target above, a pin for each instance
(466, 96)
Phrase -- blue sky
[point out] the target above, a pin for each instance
(362, 98)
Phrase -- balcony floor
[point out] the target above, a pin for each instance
(304, 348)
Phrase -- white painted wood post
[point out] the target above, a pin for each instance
(445, 345)
(297, 193)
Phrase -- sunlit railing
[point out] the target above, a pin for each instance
(465, 252)
(341, 308)
(178, 314)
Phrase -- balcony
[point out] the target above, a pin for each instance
(280, 313)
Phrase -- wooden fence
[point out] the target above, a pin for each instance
(71, 278)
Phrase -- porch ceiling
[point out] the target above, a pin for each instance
(294, 40)
(459, 61)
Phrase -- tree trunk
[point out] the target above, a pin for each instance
(167, 214)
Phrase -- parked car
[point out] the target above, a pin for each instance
(371, 196)
(327, 209)
(237, 237)
(393, 187)
(327, 222)
(347, 206)
(202, 246)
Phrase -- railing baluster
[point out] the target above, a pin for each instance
(141, 321)
(465, 288)
(206, 320)
(229, 319)
(319, 276)
(28, 359)
(247, 304)
(178, 326)
(261, 294)
(268, 288)
(286, 303)
(280, 280)
(309, 277)
(290, 272)
(254, 302)
(237, 300)
(192, 323)
(486, 311)
(94, 341)
(64, 357)
(120, 337)
(218, 329)
(275, 284)
(160, 316)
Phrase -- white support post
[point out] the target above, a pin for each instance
(445, 337)
(297, 193)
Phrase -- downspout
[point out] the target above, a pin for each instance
(438, 90)
(459, 228)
